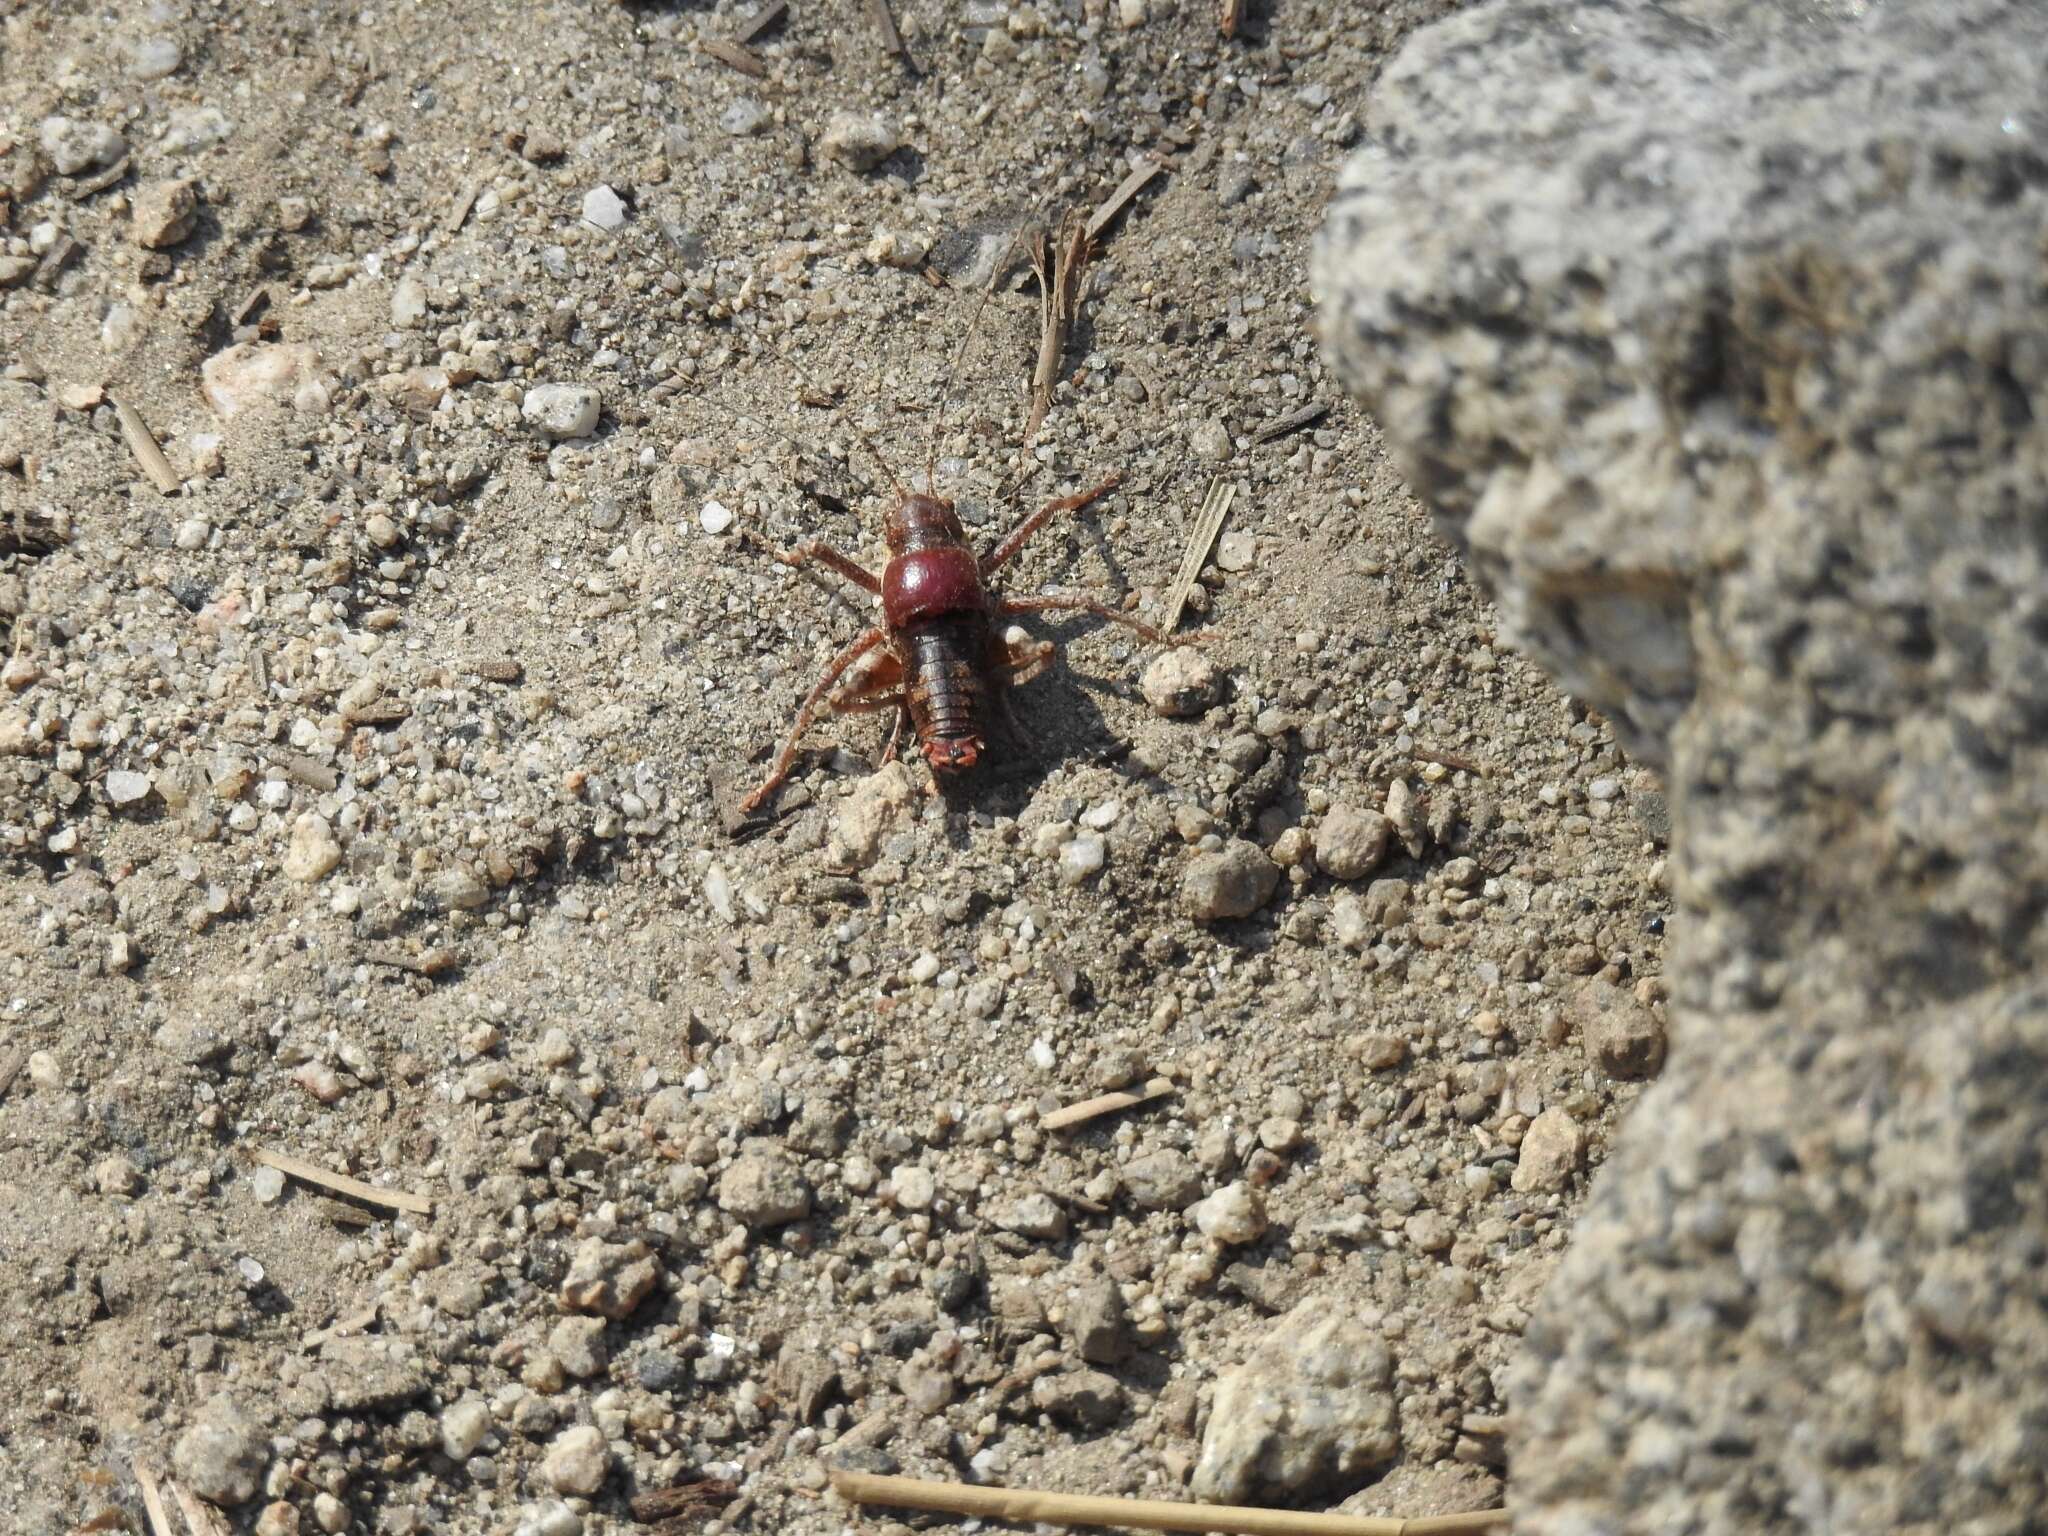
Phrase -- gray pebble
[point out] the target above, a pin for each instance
(860, 141)
(562, 410)
(763, 1191)
(72, 145)
(1233, 882)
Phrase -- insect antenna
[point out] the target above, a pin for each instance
(868, 443)
(931, 460)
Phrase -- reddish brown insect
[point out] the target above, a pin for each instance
(938, 658)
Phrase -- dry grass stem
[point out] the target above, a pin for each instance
(1118, 200)
(342, 1184)
(1024, 1507)
(1201, 539)
(1059, 268)
(152, 1501)
(1233, 15)
(204, 1519)
(1106, 1104)
(1293, 421)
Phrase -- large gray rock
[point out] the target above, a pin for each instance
(1716, 334)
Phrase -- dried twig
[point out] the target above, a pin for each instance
(53, 261)
(1059, 268)
(342, 1184)
(761, 21)
(86, 186)
(142, 443)
(152, 1501)
(1293, 421)
(1022, 1506)
(1106, 1104)
(683, 1505)
(458, 212)
(1126, 189)
(1448, 760)
(885, 23)
(734, 56)
(1233, 15)
(431, 962)
(1201, 539)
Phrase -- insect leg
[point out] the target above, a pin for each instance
(1056, 604)
(996, 558)
(819, 552)
(806, 712)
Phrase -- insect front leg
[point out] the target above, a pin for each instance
(1006, 551)
(818, 552)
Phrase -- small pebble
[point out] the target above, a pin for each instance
(1082, 859)
(604, 208)
(153, 58)
(73, 146)
(1233, 882)
(1236, 551)
(408, 303)
(763, 1191)
(1551, 1150)
(578, 1461)
(1234, 1215)
(1351, 842)
(1181, 681)
(860, 141)
(313, 853)
(915, 1187)
(166, 212)
(126, 787)
(116, 1175)
(464, 1424)
(716, 517)
(562, 410)
(267, 1185)
(1212, 442)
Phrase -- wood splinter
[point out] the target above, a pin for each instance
(1023, 1506)
(341, 1183)
(1106, 1104)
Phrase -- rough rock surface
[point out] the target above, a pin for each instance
(1311, 1411)
(1712, 333)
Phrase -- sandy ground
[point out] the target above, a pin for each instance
(362, 798)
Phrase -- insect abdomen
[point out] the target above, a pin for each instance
(944, 686)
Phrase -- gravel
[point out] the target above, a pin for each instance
(166, 212)
(578, 1461)
(734, 1133)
